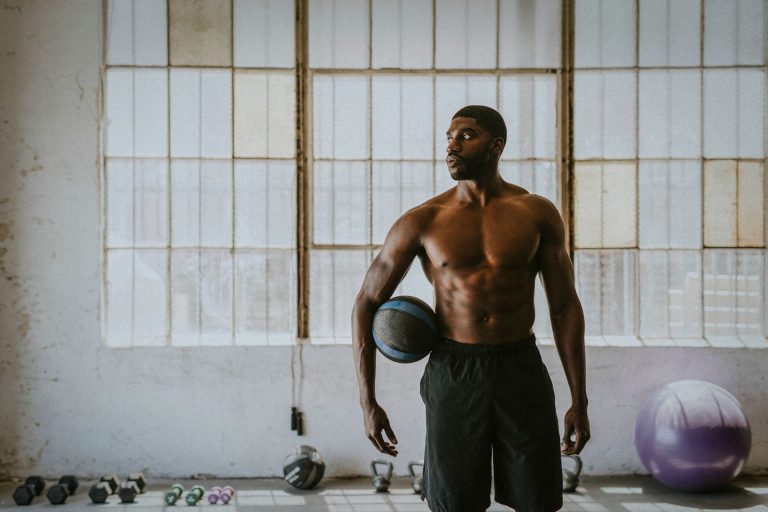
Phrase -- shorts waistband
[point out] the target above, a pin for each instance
(457, 347)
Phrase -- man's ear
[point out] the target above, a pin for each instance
(498, 145)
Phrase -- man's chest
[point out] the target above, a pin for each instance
(471, 239)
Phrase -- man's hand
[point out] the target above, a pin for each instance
(576, 431)
(375, 421)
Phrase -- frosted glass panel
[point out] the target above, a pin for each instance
(720, 214)
(734, 120)
(733, 294)
(397, 187)
(341, 203)
(529, 107)
(670, 204)
(402, 117)
(265, 114)
(137, 32)
(150, 297)
(670, 32)
(453, 92)
(200, 32)
(264, 33)
(670, 114)
(265, 203)
(670, 294)
(151, 208)
(402, 34)
(185, 295)
(751, 204)
(605, 33)
(537, 177)
(338, 34)
(119, 306)
(119, 202)
(465, 34)
(525, 35)
(341, 122)
(201, 113)
(734, 32)
(605, 282)
(335, 280)
(265, 299)
(137, 112)
(202, 203)
(605, 205)
(604, 114)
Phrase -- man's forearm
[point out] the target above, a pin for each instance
(568, 329)
(364, 351)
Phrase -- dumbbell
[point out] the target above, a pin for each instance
(33, 486)
(173, 495)
(226, 494)
(195, 494)
(214, 494)
(58, 494)
(417, 481)
(101, 490)
(381, 481)
(133, 485)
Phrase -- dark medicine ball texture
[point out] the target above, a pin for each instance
(405, 329)
(303, 468)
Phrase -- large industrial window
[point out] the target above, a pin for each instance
(257, 151)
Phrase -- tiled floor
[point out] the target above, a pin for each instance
(617, 494)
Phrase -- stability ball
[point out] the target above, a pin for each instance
(692, 435)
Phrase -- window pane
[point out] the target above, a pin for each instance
(751, 204)
(151, 208)
(402, 34)
(336, 277)
(402, 117)
(734, 32)
(338, 34)
(720, 216)
(341, 122)
(137, 32)
(150, 297)
(397, 187)
(341, 206)
(526, 34)
(201, 113)
(670, 32)
(670, 114)
(264, 33)
(528, 105)
(605, 205)
(453, 92)
(265, 203)
(200, 32)
(119, 298)
(536, 177)
(605, 33)
(604, 114)
(265, 114)
(465, 34)
(119, 198)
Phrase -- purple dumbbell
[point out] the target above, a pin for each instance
(226, 494)
(214, 494)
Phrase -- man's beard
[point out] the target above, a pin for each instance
(470, 168)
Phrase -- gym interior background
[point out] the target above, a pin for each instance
(191, 191)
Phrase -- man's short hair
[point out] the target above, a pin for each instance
(486, 117)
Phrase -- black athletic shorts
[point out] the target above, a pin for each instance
(489, 406)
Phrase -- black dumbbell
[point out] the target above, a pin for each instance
(33, 486)
(107, 484)
(141, 482)
(114, 483)
(128, 491)
(58, 494)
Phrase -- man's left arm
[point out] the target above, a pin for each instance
(567, 320)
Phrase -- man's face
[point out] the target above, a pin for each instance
(470, 148)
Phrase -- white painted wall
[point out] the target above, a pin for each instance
(71, 405)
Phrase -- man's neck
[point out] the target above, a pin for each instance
(482, 190)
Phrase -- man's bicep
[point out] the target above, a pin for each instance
(555, 267)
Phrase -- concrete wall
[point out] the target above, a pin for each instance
(71, 405)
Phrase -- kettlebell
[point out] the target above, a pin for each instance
(381, 481)
(416, 480)
(571, 477)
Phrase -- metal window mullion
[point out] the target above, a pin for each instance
(302, 190)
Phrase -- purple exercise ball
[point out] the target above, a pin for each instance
(692, 435)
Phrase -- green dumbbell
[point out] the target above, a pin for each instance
(173, 495)
(195, 494)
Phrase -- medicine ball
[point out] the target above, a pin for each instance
(405, 329)
(303, 468)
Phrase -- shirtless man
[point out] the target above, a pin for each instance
(488, 396)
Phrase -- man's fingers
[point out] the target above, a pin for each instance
(381, 445)
(390, 433)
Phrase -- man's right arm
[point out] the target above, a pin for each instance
(386, 271)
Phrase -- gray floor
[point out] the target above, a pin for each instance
(619, 494)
